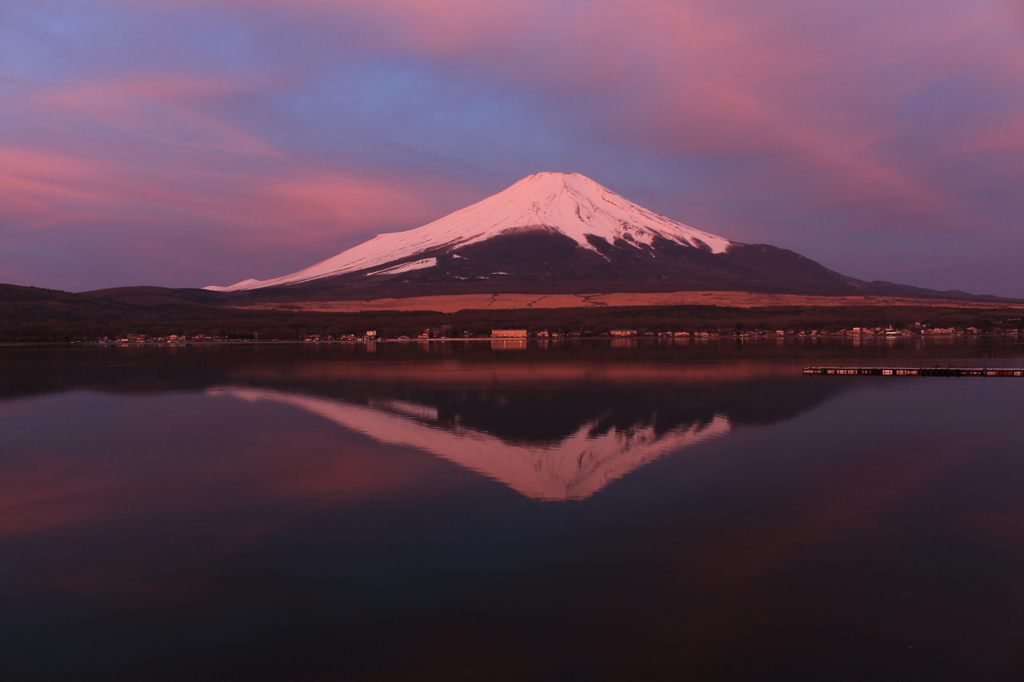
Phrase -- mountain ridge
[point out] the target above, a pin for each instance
(560, 233)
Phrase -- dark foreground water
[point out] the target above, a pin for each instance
(478, 512)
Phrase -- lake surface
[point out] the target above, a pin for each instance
(477, 511)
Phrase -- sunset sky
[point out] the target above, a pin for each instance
(196, 142)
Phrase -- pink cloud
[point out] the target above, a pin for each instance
(162, 108)
(689, 78)
(47, 189)
(168, 153)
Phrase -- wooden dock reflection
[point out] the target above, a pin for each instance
(918, 371)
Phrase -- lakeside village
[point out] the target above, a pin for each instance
(446, 333)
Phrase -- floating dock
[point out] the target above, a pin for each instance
(918, 371)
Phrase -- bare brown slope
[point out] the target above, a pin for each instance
(542, 301)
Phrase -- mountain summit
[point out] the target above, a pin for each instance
(567, 204)
(557, 233)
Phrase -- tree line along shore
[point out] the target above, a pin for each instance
(92, 320)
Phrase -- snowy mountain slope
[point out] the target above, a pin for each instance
(566, 204)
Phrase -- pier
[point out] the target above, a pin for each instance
(918, 371)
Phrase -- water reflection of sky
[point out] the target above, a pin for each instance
(839, 528)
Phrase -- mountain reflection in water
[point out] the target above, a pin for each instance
(551, 428)
(571, 468)
(312, 513)
(548, 430)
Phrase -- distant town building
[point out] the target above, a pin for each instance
(508, 333)
(623, 332)
(442, 332)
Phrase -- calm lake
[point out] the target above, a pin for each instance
(473, 511)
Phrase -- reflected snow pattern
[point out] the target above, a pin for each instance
(461, 512)
(572, 468)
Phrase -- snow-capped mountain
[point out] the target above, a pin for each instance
(553, 232)
(569, 204)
